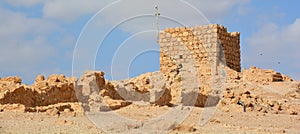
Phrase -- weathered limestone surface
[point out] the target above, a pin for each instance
(202, 53)
(149, 87)
(54, 90)
(203, 45)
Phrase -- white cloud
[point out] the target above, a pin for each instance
(273, 44)
(293, 33)
(187, 12)
(26, 58)
(70, 10)
(21, 34)
(21, 52)
(26, 3)
(25, 48)
(17, 25)
(216, 8)
(66, 10)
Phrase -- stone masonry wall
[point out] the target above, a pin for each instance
(197, 53)
(200, 44)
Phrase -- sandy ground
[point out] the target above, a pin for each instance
(221, 122)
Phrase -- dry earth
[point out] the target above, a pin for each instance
(224, 122)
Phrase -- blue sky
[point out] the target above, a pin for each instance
(40, 36)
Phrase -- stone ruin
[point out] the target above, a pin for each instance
(203, 51)
(201, 44)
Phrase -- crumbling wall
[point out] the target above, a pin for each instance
(55, 89)
(55, 92)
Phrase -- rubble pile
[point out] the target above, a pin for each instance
(262, 76)
(264, 91)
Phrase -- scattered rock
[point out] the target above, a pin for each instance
(39, 78)
(53, 112)
(215, 121)
(292, 112)
(113, 104)
(183, 128)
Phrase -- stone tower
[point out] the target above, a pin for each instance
(200, 51)
(201, 44)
